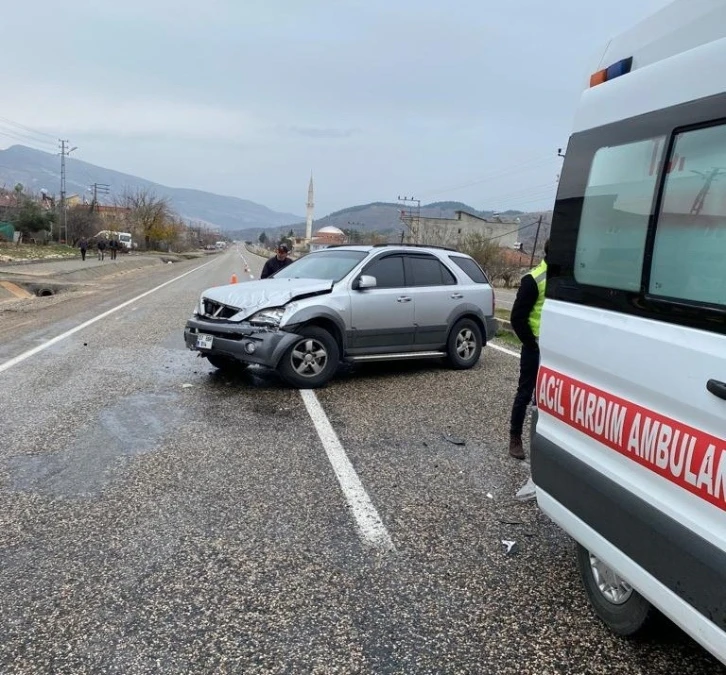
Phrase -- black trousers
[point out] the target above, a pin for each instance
(528, 367)
(83, 254)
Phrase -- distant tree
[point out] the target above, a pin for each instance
(82, 222)
(150, 215)
(486, 252)
(263, 239)
(291, 234)
(32, 219)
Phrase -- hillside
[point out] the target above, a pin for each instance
(37, 170)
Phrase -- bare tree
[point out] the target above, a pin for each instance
(486, 252)
(151, 216)
(82, 222)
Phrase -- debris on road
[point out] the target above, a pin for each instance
(511, 546)
(527, 491)
(187, 386)
(511, 521)
(454, 439)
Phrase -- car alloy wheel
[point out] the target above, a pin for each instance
(312, 360)
(466, 344)
(309, 357)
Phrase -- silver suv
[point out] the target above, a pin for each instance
(349, 303)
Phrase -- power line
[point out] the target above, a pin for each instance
(17, 136)
(27, 128)
(530, 164)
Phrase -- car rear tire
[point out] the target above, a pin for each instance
(225, 363)
(464, 345)
(312, 360)
(618, 604)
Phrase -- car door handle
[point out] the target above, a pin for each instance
(717, 388)
(457, 296)
(404, 298)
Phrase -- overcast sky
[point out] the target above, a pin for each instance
(462, 100)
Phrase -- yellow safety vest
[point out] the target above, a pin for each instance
(539, 274)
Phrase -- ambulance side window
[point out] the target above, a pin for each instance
(616, 210)
(689, 255)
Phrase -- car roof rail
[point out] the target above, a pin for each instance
(443, 248)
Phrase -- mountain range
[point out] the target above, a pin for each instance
(384, 218)
(238, 218)
(38, 170)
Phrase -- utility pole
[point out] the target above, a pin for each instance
(536, 238)
(63, 227)
(414, 221)
(98, 188)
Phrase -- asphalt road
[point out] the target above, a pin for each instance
(158, 517)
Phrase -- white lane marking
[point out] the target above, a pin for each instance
(32, 352)
(370, 526)
(503, 349)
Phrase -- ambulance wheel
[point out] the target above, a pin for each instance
(614, 600)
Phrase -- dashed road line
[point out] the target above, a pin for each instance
(370, 526)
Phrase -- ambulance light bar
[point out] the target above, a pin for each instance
(611, 72)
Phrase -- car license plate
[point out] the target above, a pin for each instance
(204, 341)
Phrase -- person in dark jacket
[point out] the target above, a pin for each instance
(277, 262)
(113, 248)
(101, 247)
(83, 245)
(525, 319)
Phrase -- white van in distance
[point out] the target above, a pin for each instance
(629, 443)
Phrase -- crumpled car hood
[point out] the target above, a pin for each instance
(252, 296)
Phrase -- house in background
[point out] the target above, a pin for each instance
(452, 231)
(327, 236)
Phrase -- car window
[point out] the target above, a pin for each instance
(331, 264)
(615, 214)
(388, 272)
(428, 271)
(690, 238)
(470, 268)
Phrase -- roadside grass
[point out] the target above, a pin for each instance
(10, 252)
(501, 313)
(508, 338)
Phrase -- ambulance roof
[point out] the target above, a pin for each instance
(694, 31)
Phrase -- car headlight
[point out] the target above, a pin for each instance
(268, 317)
(199, 309)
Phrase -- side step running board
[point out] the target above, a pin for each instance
(397, 357)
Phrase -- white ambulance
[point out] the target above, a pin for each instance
(629, 443)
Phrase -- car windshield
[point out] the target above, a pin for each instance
(330, 264)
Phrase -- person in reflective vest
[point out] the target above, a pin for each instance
(525, 318)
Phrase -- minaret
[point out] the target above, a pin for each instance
(311, 205)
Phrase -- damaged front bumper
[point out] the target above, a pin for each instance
(241, 341)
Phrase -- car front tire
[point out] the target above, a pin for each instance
(464, 344)
(312, 360)
(620, 606)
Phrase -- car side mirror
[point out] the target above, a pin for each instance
(365, 281)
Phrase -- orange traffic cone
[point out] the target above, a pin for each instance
(233, 280)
